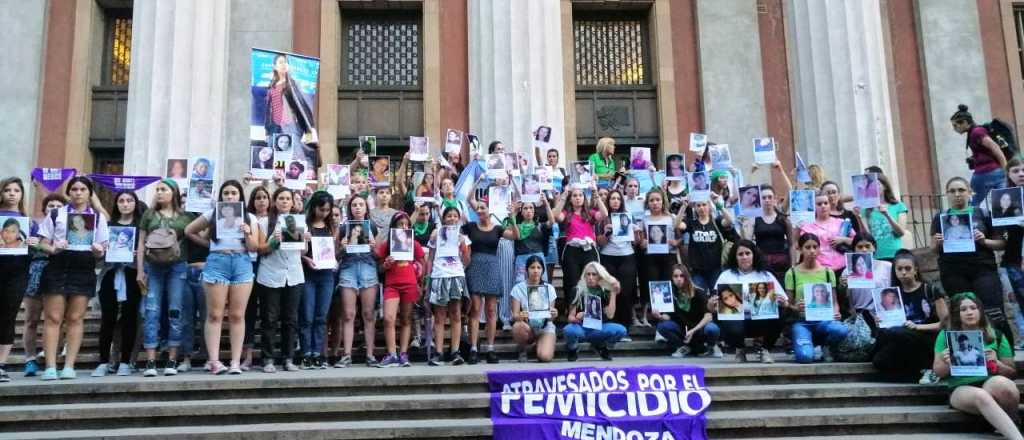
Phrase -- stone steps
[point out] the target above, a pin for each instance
(750, 401)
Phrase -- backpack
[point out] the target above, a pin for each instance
(162, 244)
(1002, 134)
(858, 345)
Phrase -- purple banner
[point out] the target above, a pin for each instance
(645, 402)
(123, 183)
(52, 178)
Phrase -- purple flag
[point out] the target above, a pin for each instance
(617, 402)
(123, 183)
(52, 178)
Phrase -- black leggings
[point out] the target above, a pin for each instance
(623, 268)
(14, 273)
(573, 260)
(734, 332)
(658, 268)
(280, 306)
(251, 313)
(984, 282)
(901, 353)
(124, 313)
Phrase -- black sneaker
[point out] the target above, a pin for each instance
(306, 363)
(457, 359)
(3, 376)
(435, 360)
(318, 362)
(604, 352)
(492, 357)
(573, 355)
(474, 357)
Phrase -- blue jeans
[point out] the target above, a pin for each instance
(169, 282)
(316, 301)
(982, 183)
(194, 309)
(705, 280)
(1016, 277)
(609, 334)
(706, 336)
(807, 334)
(521, 267)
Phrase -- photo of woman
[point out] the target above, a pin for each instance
(821, 297)
(750, 201)
(177, 168)
(656, 234)
(956, 228)
(283, 142)
(380, 171)
(12, 234)
(765, 305)
(80, 231)
(730, 302)
(295, 171)
(229, 220)
(675, 168)
(1006, 203)
(262, 157)
(640, 158)
(287, 111)
(860, 265)
(426, 186)
(543, 134)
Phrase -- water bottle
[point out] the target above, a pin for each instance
(844, 229)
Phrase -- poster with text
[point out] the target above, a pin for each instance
(283, 87)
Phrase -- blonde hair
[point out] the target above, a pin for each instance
(817, 174)
(605, 280)
(603, 144)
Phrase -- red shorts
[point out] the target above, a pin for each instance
(407, 293)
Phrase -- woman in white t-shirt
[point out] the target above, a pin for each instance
(447, 283)
(746, 266)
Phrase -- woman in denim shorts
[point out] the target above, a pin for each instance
(227, 278)
(358, 278)
(33, 303)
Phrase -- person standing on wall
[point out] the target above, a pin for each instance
(987, 160)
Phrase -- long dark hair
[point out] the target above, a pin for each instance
(275, 77)
(348, 206)
(77, 179)
(803, 239)
(220, 198)
(316, 200)
(251, 206)
(731, 262)
(887, 193)
(140, 208)
(21, 185)
(904, 254)
(954, 315)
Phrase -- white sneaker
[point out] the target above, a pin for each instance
(101, 370)
(658, 338)
(681, 352)
(185, 366)
(124, 369)
(716, 352)
(507, 327)
(928, 377)
(415, 343)
(818, 355)
(626, 339)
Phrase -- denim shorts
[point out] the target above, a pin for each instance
(228, 268)
(358, 275)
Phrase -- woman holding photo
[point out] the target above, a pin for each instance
(905, 353)
(227, 277)
(14, 270)
(483, 275)
(972, 271)
(812, 337)
(119, 300)
(358, 275)
(860, 299)
(578, 219)
(33, 304)
(279, 283)
(401, 292)
(688, 328)
(772, 232)
(595, 282)
(1011, 260)
(163, 277)
(995, 397)
(830, 231)
(319, 285)
(69, 280)
(837, 210)
(886, 222)
(746, 265)
(447, 286)
(658, 267)
(620, 260)
(602, 162)
(707, 237)
(536, 331)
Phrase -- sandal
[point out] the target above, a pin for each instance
(217, 368)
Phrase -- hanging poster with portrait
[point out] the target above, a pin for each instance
(283, 87)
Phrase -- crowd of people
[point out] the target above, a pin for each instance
(473, 267)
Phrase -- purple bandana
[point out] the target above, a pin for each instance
(53, 178)
(123, 183)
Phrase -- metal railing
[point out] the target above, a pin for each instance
(920, 210)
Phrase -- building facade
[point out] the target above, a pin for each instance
(119, 85)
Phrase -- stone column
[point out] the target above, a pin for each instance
(840, 86)
(24, 27)
(177, 94)
(731, 78)
(515, 71)
(954, 73)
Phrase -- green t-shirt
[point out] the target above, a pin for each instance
(595, 291)
(887, 243)
(151, 221)
(1002, 350)
(600, 167)
(795, 281)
